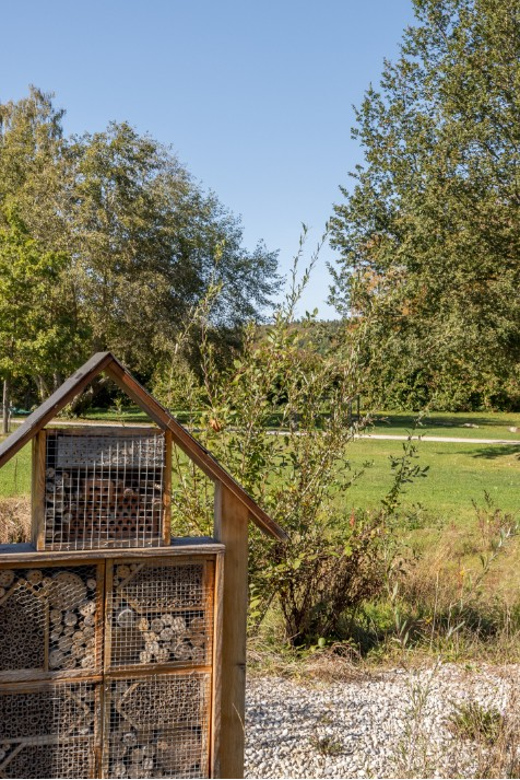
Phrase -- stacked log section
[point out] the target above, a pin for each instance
(48, 620)
(161, 615)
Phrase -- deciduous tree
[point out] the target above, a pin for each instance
(429, 237)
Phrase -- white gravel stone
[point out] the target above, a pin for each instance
(390, 724)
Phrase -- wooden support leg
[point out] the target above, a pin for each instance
(231, 528)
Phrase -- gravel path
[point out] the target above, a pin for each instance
(393, 724)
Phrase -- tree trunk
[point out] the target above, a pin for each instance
(43, 390)
(5, 406)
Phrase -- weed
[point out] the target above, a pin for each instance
(472, 721)
(327, 745)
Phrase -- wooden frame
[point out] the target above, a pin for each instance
(46, 673)
(211, 556)
(38, 490)
(233, 510)
(105, 362)
(95, 740)
(39, 482)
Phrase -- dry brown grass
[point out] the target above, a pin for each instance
(15, 520)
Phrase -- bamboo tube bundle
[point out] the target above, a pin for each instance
(157, 725)
(32, 722)
(72, 642)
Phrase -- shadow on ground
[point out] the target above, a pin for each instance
(497, 451)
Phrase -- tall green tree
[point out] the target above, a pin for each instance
(36, 327)
(32, 164)
(147, 243)
(429, 236)
(139, 239)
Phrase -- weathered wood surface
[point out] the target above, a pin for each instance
(216, 696)
(107, 363)
(231, 528)
(38, 491)
(49, 408)
(25, 553)
(167, 489)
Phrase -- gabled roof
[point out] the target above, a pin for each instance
(105, 362)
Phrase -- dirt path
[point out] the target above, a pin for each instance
(275, 432)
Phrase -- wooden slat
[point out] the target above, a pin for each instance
(105, 430)
(38, 491)
(54, 404)
(167, 490)
(231, 528)
(193, 449)
(23, 554)
(216, 694)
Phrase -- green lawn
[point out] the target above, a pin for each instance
(15, 476)
(458, 474)
(489, 425)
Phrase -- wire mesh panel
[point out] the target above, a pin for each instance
(160, 612)
(157, 726)
(48, 731)
(104, 489)
(48, 618)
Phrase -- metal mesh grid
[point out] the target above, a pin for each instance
(48, 732)
(161, 613)
(47, 620)
(104, 490)
(158, 726)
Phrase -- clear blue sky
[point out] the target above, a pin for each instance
(255, 97)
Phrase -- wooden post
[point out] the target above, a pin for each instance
(167, 490)
(231, 528)
(38, 490)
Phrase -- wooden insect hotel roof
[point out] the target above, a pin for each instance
(105, 362)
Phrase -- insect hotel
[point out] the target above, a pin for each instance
(122, 650)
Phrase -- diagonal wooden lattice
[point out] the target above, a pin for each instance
(48, 621)
(158, 726)
(103, 490)
(48, 731)
(161, 613)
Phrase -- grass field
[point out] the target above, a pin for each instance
(470, 425)
(458, 475)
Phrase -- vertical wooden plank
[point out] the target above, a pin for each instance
(167, 488)
(99, 729)
(99, 621)
(107, 619)
(231, 528)
(216, 683)
(38, 491)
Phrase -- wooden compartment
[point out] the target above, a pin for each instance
(159, 613)
(101, 488)
(50, 730)
(50, 620)
(158, 726)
